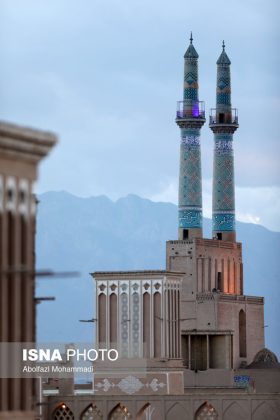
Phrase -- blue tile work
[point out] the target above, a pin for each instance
(223, 177)
(242, 381)
(190, 219)
(191, 79)
(190, 191)
(191, 76)
(223, 98)
(223, 222)
(190, 93)
(223, 184)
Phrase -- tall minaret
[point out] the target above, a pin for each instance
(223, 123)
(190, 118)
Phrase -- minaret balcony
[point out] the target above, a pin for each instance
(223, 120)
(190, 109)
(221, 116)
(190, 114)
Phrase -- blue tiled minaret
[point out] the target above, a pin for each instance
(190, 118)
(223, 123)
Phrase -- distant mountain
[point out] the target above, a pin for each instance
(89, 234)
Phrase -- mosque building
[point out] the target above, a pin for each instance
(191, 344)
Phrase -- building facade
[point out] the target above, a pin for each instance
(21, 150)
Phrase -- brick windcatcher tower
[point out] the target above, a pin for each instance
(190, 118)
(223, 123)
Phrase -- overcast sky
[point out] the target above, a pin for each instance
(106, 75)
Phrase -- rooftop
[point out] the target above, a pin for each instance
(137, 273)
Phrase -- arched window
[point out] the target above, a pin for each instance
(146, 325)
(11, 239)
(206, 412)
(242, 334)
(102, 319)
(120, 412)
(113, 320)
(145, 413)
(11, 286)
(157, 324)
(92, 413)
(62, 412)
(23, 241)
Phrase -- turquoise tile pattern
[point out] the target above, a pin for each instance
(223, 172)
(190, 190)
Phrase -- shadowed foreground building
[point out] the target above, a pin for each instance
(21, 149)
(191, 343)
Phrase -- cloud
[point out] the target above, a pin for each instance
(248, 218)
(259, 205)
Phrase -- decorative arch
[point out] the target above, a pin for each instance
(145, 412)
(63, 412)
(242, 334)
(235, 411)
(120, 412)
(264, 359)
(266, 411)
(91, 413)
(206, 412)
(176, 411)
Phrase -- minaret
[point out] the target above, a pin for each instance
(223, 123)
(190, 118)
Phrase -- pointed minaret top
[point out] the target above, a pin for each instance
(191, 52)
(223, 59)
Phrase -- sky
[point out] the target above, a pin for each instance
(105, 75)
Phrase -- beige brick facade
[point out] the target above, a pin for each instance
(21, 150)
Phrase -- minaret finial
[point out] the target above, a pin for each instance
(191, 38)
(223, 45)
